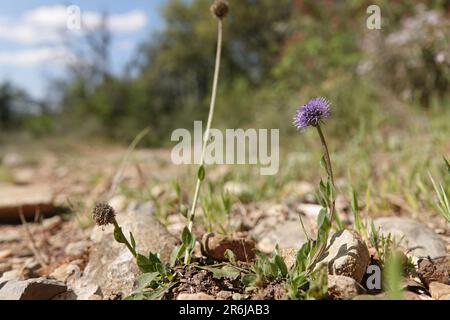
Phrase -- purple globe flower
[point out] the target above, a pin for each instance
(312, 113)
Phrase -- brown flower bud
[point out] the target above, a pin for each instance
(103, 214)
(220, 8)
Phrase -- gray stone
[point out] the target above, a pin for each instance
(32, 289)
(440, 291)
(4, 254)
(195, 296)
(75, 249)
(238, 189)
(118, 202)
(63, 272)
(297, 190)
(68, 295)
(4, 267)
(10, 235)
(13, 160)
(25, 199)
(86, 291)
(24, 176)
(112, 268)
(287, 234)
(346, 255)
(52, 223)
(31, 265)
(419, 240)
(309, 210)
(9, 275)
(343, 288)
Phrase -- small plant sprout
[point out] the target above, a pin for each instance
(220, 10)
(443, 203)
(313, 114)
(103, 214)
(156, 276)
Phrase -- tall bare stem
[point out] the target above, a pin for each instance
(331, 208)
(191, 213)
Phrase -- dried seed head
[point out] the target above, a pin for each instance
(103, 214)
(220, 8)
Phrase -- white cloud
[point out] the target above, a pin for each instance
(47, 24)
(27, 34)
(27, 57)
(46, 16)
(128, 22)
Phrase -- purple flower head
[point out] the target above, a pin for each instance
(312, 113)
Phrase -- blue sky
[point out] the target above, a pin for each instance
(31, 48)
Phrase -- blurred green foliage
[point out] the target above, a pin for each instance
(276, 56)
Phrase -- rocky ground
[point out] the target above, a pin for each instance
(50, 250)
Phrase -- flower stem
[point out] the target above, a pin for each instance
(329, 168)
(118, 229)
(323, 244)
(206, 135)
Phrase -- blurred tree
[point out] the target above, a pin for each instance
(275, 54)
(18, 111)
(9, 98)
(176, 68)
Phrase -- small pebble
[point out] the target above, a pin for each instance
(76, 248)
(4, 254)
(5, 266)
(52, 222)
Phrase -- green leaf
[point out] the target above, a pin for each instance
(144, 264)
(318, 284)
(186, 237)
(133, 242)
(281, 265)
(174, 256)
(145, 280)
(229, 255)
(340, 225)
(331, 190)
(118, 235)
(135, 296)
(447, 164)
(323, 163)
(302, 256)
(321, 218)
(374, 235)
(248, 279)
(184, 211)
(227, 272)
(177, 188)
(226, 201)
(158, 293)
(177, 252)
(322, 187)
(201, 173)
(161, 268)
(154, 258)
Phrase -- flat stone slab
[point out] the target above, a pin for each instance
(31, 289)
(28, 199)
(415, 237)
